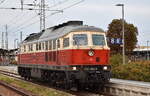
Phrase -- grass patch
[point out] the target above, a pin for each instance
(36, 89)
(139, 70)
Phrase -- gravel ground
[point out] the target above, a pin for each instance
(9, 68)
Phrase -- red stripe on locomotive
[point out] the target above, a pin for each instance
(66, 57)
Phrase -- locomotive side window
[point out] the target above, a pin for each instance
(30, 47)
(21, 49)
(37, 48)
(98, 39)
(65, 42)
(24, 48)
(50, 45)
(46, 45)
(80, 39)
(58, 43)
(27, 48)
(54, 44)
(40, 46)
(43, 46)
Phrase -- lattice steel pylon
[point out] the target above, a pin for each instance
(6, 41)
(42, 15)
(2, 40)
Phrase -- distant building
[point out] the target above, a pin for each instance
(4, 59)
(13, 55)
(141, 53)
(8, 56)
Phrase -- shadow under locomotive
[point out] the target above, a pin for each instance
(91, 77)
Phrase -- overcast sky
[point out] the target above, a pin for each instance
(97, 13)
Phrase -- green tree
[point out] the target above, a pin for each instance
(115, 31)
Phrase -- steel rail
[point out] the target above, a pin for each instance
(15, 89)
(73, 92)
(122, 88)
(21, 91)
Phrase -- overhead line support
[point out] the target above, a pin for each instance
(42, 15)
(6, 41)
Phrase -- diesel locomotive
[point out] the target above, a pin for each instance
(67, 55)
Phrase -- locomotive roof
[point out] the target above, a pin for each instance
(60, 30)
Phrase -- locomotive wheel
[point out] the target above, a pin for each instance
(95, 87)
(79, 85)
(67, 85)
(25, 77)
(52, 81)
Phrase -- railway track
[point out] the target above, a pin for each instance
(12, 90)
(73, 92)
(117, 87)
(120, 87)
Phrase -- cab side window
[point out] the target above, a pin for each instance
(66, 42)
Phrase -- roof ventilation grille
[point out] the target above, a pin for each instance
(68, 23)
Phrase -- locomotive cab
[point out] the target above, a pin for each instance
(87, 48)
(89, 57)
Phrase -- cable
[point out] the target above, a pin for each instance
(23, 23)
(31, 24)
(2, 1)
(49, 7)
(73, 4)
(59, 3)
(35, 16)
(16, 18)
(49, 15)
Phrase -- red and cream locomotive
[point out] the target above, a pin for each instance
(70, 54)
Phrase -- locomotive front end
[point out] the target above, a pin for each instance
(90, 58)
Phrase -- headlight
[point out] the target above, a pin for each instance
(74, 68)
(105, 68)
(91, 53)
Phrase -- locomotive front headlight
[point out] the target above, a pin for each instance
(105, 68)
(74, 68)
(91, 53)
